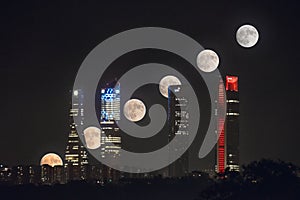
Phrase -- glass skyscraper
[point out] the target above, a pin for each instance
(178, 120)
(109, 115)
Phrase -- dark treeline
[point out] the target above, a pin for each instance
(264, 179)
(156, 188)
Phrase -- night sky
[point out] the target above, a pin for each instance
(43, 45)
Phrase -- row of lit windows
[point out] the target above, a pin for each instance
(112, 147)
(180, 105)
(107, 122)
(181, 99)
(232, 101)
(111, 139)
(232, 114)
(182, 133)
(178, 121)
(73, 141)
(71, 155)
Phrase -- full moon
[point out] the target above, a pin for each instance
(134, 110)
(92, 136)
(207, 60)
(165, 82)
(247, 36)
(51, 159)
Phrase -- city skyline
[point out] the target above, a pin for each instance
(150, 100)
(76, 165)
(42, 53)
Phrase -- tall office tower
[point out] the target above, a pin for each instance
(76, 158)
(228, 143)
(178, 119)
(221, 146)
(110, 114)
(110, 102)
(232, 122)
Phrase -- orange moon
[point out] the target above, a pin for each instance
(51, 159)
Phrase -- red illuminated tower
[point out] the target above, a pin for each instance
(221, 148)
(228, 143)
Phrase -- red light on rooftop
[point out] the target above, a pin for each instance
(232, 83)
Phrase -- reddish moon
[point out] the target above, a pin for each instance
(51, 159)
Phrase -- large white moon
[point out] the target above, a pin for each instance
(247, 36)
(134, 110)
(92, 136)
(207, 60)
(165, 82)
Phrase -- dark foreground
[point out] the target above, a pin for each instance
(259, 180)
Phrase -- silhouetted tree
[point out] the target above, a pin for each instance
(265, 179)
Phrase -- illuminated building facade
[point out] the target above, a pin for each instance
(5, 174)
(178, 117)
(228, 143)
(232, 122)
(25, 174)
(110, 103)
(109, 115)
(76, 158)
(52, 174)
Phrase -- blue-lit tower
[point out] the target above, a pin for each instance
(109, 115)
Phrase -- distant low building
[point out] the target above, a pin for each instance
(51, 175)
(5, 175)
(25, 174)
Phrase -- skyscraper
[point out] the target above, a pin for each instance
(110, 102)
(228, 143)
(110, 114)
(76, 158)
(178, 119)
(232, 122)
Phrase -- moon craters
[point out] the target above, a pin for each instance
(134, 110)
(247, 36)
(167, 81)
(207, 60)
(92, 136)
